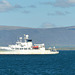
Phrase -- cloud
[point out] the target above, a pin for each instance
(6, 6)
(18, 6)
(66, 12)
(71, 1)
(32, 6)
(46, 3)
(59, 13)
(48, 25)
(61, 3)
(26, 11)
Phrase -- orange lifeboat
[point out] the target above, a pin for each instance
(35, 47)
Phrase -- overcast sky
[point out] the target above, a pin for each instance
(37, 13)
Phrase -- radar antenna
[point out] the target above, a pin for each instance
(26, 37)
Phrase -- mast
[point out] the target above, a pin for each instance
(20, 39)
(26, 37)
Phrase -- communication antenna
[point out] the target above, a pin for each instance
(24, 37)
(20, 39)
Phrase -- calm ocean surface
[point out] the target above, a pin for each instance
(59, 64)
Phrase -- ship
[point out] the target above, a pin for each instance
(25, 46)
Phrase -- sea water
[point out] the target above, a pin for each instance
(58, 64)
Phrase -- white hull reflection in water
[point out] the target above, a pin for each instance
(27, 47)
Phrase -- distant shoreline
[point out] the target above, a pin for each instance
(66, 48)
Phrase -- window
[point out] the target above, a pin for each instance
(25, 48)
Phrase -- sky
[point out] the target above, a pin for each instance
(37, 13)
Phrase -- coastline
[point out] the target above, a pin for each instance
(66, 48)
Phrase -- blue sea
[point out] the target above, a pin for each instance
(58, 64)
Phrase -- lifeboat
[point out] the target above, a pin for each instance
(35, 47)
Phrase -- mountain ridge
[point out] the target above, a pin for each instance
(21, 27)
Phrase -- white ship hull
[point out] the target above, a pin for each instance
(28, 52)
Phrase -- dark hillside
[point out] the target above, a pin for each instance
(64, 36)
